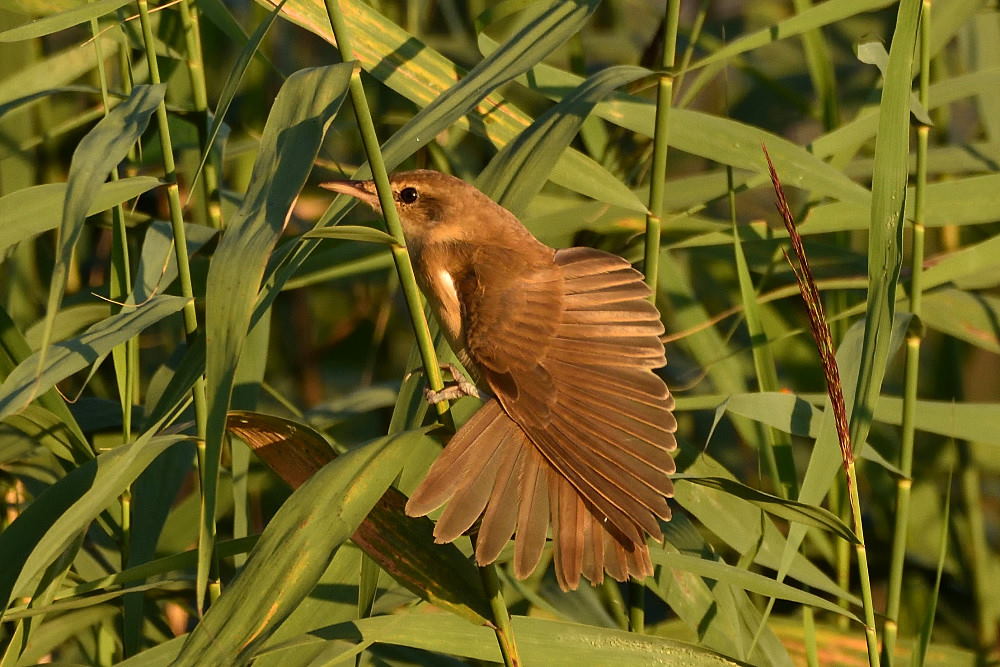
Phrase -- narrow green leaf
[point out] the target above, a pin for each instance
(31, 211)
(44, 530)
(721, 616)
(84, 601)
(47, 429)
(968, 316)
(822, 14)
(14, 349)
(62, 20)
(49, 75)
(750, 581)
(719, 139)
(808, 515)
(95, 156)
(351, 233)
(885, 235)
(521, 51)
(28, 380)
(518, 172)
(746, 528)
(539, 641)
(294, 551)
(298, 121)
(69, 321)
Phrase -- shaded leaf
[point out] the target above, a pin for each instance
(302, 112)
(45, 529)
(62, 20)
(351, 233)
(293, 552)
(791, 510)
(27, 381)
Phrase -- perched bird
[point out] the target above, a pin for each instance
(578, 430)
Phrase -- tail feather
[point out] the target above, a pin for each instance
(532, 514)
(492, 470)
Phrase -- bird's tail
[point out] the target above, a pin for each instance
(490, 469)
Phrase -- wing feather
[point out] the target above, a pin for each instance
(580, 434)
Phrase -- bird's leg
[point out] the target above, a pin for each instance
(462, 387)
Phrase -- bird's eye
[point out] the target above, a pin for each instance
(408, 195)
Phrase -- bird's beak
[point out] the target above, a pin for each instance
(362, 190)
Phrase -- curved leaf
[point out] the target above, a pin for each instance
(294, 550)
(539, 641)
(351, 233)
(298, 121)
(750, 581)
(518, 172)
(63, 511)
(62, 20)
(791, 510)
(31, 378)
(95, 156)
(34, 210)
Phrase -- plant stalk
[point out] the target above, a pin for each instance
(195, 62)
(206, 533)
(411, 293)
(912, 373)
(404, 266)
(125, 355)
(654, 218)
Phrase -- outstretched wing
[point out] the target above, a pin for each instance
(581, 429)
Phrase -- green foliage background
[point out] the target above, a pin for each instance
(130, 324)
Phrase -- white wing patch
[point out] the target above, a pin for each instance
(448, 285)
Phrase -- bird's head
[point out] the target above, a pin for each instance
(437, 207)
(429, 202)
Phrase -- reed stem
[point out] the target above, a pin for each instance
(206, 532)
(195, 62)
(654, 218)
(411, 293)
(911, 377)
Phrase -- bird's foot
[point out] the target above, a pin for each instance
(462, 387)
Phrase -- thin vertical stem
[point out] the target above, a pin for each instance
(871, 638)
(125, 356)
(842, 562)
(821, 333)
(196, 71)
(654, 218)
(404, 266)
(657, 183)
(206, 533)
(501, 617)
(912, 373)
(411, 293)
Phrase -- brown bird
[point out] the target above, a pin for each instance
(578, 431)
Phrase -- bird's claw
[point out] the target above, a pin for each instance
(462, 387)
